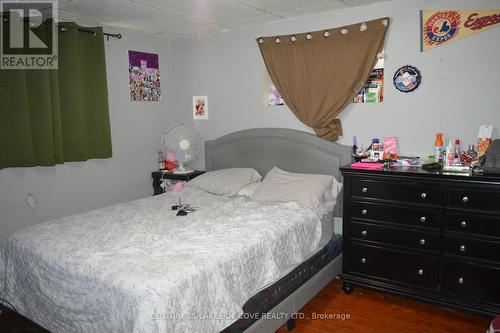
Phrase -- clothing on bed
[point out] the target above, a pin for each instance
(136, 267)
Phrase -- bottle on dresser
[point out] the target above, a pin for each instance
(438, 148)
(456, 159)
(450, 154)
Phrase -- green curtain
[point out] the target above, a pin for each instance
(54, 116)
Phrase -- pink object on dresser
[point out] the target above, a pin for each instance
(367, 166)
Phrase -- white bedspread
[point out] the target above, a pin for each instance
(136, 267)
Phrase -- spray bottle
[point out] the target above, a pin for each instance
(438, 148)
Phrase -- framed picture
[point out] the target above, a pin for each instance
(200, 107)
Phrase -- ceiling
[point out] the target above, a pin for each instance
(180, 19)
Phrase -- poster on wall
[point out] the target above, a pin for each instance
(200, 107)
(144, 76)
(373, 90)
(271, 95)
(441, 27)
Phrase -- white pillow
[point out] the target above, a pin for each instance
(319, 192)
(225, 181)
(248, 190)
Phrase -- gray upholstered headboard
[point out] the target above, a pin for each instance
(290, 150)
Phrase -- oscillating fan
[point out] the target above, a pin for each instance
(185, 142)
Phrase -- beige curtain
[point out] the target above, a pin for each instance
(319, 73)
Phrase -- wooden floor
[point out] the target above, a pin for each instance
(369, 311)
(377, 312)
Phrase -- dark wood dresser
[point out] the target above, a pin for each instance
(427, 235)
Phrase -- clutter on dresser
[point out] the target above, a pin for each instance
(358, 153)
(454, 160)
(379, 153)
(447, 157)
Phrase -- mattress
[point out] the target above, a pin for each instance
(271, 296)
(327, 234)
(136, 267)
(327, 226)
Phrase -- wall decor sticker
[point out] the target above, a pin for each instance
(441, 27)
(373, 90)
(144, 76)
(200, 107)
(270, 95)
(407, 78)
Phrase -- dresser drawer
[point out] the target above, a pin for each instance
(421, 217)
(399, 191)
(471, 248)
(395, 236)
(469, 223)
(468, 198)
(421, 271)
(471, 281)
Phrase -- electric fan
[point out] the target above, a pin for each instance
(185, 142)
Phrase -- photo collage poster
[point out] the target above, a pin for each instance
(144, 76)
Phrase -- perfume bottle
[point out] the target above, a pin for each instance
(472, 152)
(456, 159)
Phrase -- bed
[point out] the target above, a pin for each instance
(123, 268)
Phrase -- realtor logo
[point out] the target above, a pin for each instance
(28, 34)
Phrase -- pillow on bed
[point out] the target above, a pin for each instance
(225, 181)
(319, 192)
(248, 190)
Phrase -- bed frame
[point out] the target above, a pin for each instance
(294, 151)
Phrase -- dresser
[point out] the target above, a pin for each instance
(427, 235)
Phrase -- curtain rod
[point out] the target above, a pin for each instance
(119, 36)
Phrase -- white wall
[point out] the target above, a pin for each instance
(459, 91)
(136, 129)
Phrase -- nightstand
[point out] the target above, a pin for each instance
(159, 175)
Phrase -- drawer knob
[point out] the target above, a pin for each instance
(422, 241)
(364, 212)
(423, 195)
(423, 219)
(363, 260)
(420, 272)
(463, 224)
(462, 248)
(363, 233)
(465, 199)
(461, 280)
(364, 189)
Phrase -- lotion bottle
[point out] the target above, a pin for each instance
(450, 154)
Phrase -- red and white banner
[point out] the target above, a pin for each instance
(440, 27)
